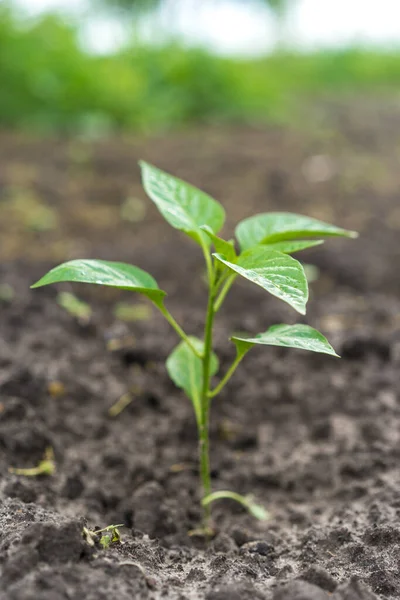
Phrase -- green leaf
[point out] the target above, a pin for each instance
(290, 247)
(106, 540)
(302, 337)
(184, 207)
(278, 273)
(104, 272)
(186, 370)
(226, 248)
(277, 227)
(256, 510)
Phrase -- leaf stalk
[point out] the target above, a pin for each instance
(225, 289)
(226, 377)
(165, 312)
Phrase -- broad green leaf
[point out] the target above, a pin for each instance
(184, 207)
(302, 337)
(278, 273)
(104, 272)
(226, 248)
(290, 247)
(266, 228)
(186, 370)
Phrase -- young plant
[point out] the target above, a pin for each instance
(105, 537)
(265, 244)
(46, 466)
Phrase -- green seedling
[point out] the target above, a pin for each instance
(262, 256)
(105, 537)
(75, 307)
(46, 466)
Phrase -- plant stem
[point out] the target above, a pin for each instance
(207, 258)
(164, 311)
(227, 376)
(225, 289)
(205, 401)
(46, 466)
(108, 528)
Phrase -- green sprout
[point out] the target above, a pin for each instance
(75, 307)
(105, 537)
(262, 256)
(46, 466)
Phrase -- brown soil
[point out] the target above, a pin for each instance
(316, 439)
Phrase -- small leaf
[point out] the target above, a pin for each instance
(300, 336)
(290, 247)
(106, 540)
(277, 227)
(186, 370)
(103, 272)
(110, 535)
(278, 273)
(227, 249)
(256, 510)
(184, 207)
(105, 537)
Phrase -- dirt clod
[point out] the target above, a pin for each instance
(300, 590)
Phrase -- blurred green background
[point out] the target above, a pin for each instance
(49, 81)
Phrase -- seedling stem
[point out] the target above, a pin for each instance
(226, 377)
(46, 466)
(178, 329)
(205, 401)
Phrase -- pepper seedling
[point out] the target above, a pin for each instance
(263, 256)
(105, 537)
(46, 466)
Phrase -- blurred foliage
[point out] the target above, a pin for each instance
(127, 7)
(279, 7)
(48, 83)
